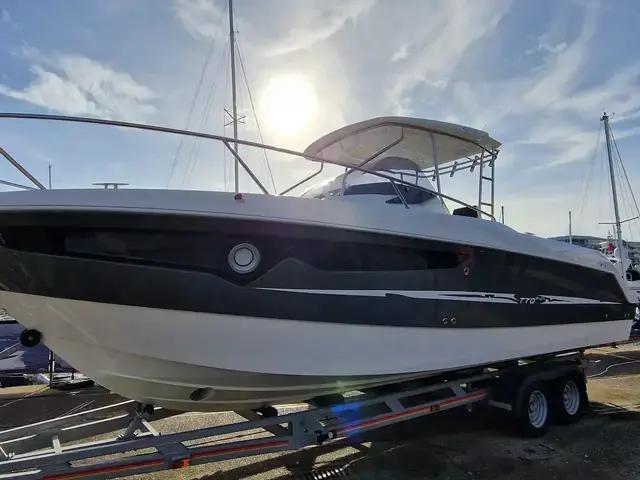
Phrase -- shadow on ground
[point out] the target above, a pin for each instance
(459, 445)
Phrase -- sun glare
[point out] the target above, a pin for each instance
(288, 103)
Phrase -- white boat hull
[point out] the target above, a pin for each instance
(161, 356)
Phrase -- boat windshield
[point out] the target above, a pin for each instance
(363, 183)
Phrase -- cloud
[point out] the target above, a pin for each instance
(569, 143)
(305, 25)
(563, 67)
(440, 45)
(620, 93)
(550, 111)
(543, 46)
(76, 85)
(453, 60)
(318, 22)
(401, 53)
(537, 80)
(4, 16)
(201, 18)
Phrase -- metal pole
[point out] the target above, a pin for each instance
(49, 176)
(436, 162)
(502, 213)
(493, 185)
(52, 367)
(480, 184)
(22, 170)
(570, 237)
(607, 133)
(234, 106)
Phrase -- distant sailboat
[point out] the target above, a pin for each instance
(618, 253)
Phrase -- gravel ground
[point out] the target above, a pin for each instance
(453, 445)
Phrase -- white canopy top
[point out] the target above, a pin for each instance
(357, 142)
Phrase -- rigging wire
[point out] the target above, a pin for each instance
(195, 148)
(242, 133)
(623, 196)
(203, 73)
(602, 177)
(225, 153)
(593, 162)
(633, 201)
(253, 109)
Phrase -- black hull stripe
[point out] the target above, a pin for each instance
(171, 289)
(298, 256)
(180, 262)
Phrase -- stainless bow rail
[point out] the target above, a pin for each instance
(487, 159)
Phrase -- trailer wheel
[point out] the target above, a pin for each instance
(569, 397)
(532, 413)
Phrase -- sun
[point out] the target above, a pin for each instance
(288, 103)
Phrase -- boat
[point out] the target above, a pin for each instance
(211, 301)
(613, 254)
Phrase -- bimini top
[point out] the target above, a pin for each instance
(412, 138)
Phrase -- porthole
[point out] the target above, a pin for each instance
(244, 258)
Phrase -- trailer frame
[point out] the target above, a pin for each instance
(39, 451)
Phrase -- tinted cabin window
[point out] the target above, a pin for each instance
(208, 251)
(342, 257)
(183, 249)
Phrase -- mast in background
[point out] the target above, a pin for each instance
(234, 106)
(52, 357)
(607, 133)
(570, 235)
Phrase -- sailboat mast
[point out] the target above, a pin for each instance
(607, 133)
(234, 106)
(570, 233)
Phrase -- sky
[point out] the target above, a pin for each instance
(536, 75)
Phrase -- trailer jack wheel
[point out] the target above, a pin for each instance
(30, 337)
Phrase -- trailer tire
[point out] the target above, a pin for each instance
(569, 398)
(532, 413)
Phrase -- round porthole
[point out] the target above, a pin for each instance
(244, 258)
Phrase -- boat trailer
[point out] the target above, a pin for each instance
(531, 390)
